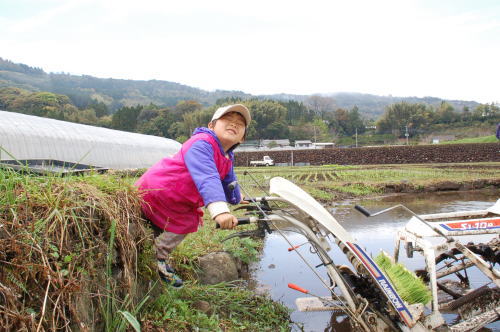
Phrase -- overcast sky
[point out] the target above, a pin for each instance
(447, 48)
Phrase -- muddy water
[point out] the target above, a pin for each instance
(278, 267)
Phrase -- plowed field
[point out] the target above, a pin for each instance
(413, 154)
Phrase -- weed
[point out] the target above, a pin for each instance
(246, 249)
(228, 308)
(320, 194)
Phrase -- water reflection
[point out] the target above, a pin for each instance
(278, 266)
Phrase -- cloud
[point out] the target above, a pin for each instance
(47, 15)
(384, 47)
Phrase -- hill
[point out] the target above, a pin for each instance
(115, 93)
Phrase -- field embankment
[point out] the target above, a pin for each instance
(412, 154)
(76, 255)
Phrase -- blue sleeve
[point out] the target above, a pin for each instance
(200, 163)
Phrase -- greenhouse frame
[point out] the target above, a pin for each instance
(27, 137)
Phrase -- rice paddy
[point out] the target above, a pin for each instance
(336, 181)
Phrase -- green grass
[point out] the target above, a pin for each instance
(209, 239)
(484, 139)
(81, 230)
(227, 308)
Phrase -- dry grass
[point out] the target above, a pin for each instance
(60, 268)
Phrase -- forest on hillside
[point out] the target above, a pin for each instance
(317, 119)
(86, 90)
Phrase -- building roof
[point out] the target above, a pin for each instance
(30, 137)
(324, 143)
(277, 141)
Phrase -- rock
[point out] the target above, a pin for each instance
(202, 306)
(217, 267)
(263, 290)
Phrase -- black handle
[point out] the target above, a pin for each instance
(232, 185)
(241, 221)
(362, 210)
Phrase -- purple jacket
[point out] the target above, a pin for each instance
(175, 189)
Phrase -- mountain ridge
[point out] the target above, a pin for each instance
(116, 93)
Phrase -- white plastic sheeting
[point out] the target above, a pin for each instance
(31, 137)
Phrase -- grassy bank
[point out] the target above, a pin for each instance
(483, 139)
(75, 255)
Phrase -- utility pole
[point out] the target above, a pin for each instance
(406, 134)
(356, 137)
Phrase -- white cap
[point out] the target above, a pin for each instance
(238, 108)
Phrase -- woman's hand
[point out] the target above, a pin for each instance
(226, 220)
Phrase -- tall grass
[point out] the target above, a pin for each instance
(56, 230)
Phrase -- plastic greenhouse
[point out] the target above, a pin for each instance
(26, 137)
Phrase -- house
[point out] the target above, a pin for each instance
(273, 143)
(325, 145)
(254, 144)
(305, 144)
(436, 139)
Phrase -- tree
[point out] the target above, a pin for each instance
(486, 111)
(356, 124)
(297, 113)
(188, 106)
(320, 105)
(402, 115)
(176, 130)
(87, 116)
(340, 123)
(199, 118)
(446, 113)
(466, 115)
(126, 118)
(269, 119)
(99, 108)
(147, 114)
(277, 129)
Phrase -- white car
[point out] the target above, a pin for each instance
(266, 161)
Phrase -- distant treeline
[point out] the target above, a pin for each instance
(19, 68)
(318, 118)
(86, 90)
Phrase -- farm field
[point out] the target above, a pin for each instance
(87, 228)
(337, 181)
(381, 155)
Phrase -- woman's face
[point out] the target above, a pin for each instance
(230, 129)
